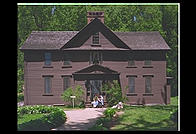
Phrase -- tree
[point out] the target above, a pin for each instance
(170, 26)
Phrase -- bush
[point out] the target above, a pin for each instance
(174, 117)
(39, 118)
(78, 92)
(109, 112)
(20, 97)
(113, 93)
(81, 104)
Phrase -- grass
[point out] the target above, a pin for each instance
(28, 117)
(140, 118)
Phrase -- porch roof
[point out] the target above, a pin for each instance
(96, 72)
(96, 69)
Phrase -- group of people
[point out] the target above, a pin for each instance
(97, 101)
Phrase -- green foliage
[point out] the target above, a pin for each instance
(78, 92)
(109, 112)
(113, 93)
(36, 118)
(100, 124)
(117, 18)
(20, 97)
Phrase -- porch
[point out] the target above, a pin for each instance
(94, 77)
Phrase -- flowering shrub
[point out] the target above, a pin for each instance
(39, 117)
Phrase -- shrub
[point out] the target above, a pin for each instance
(109, 112)
(78, 92)
(39, 117)
(174, 117)
(114, 93)
(81, 104)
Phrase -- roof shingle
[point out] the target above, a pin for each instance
(53, 40)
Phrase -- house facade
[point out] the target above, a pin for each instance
(56, 60)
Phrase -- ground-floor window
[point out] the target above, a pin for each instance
(148, 84)
(48, 84)
(66, 82)
(131, 84)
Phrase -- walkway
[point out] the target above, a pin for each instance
(81, 119)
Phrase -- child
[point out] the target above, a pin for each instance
(101, 100)
(95, 101)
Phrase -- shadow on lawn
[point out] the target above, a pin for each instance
(142, 125)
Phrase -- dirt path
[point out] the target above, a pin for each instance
(81, 119)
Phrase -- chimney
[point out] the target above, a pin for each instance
(91, 15)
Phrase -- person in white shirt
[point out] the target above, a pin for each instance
(101, 100)
(95, 101)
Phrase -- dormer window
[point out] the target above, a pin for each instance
(95, 39)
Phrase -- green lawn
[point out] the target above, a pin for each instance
(143, 118)
(28, 117)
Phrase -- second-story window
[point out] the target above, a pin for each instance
(147, 62)
(95, 39)
(66, 60)
(95, 58)
(131, 63)
(47, 58)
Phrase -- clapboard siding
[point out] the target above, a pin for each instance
(118, 61)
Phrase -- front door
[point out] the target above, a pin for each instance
(95, 86)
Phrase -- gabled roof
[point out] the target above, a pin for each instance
(95, 26)
(71, 40)
(98, 68)
(48, 39)
(143, 40)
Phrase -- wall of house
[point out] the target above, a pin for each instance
(115, 60)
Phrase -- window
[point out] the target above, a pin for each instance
(95, 58)
(131, 63)
(148, 86)
(66, 82)
(95, 38)
(47, 83)
(147, 62)
(131, 82)
(66, 60)
(47, 58)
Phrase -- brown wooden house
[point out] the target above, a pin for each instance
(56, 60)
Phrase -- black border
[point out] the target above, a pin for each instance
(12, 17)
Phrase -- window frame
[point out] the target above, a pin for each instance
(49, 77)
(46, 59)
(96, 39)
(129, 87)
(147, 62)
(131, 65)
(92, 56)
(148, 79)
(69, 82)
(66, 58)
